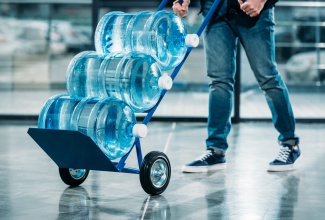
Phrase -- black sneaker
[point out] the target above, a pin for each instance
(209, 161)
(286, 158)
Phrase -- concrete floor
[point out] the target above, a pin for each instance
(31, 188)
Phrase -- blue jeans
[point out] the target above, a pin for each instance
(257, 38)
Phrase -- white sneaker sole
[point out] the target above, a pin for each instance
(281, 168)
(203, 169)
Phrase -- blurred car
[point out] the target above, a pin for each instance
(33, 40)
(304, 67)
(284, 37)
(28, 37)
(75, 38)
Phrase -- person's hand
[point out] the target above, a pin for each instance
(252, 7)
(181, 9)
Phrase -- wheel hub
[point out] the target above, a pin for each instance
(77, 173)
(159, 173)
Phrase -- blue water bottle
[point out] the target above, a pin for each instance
(109, 122)
(82, 75)
(134, 78)
(56, 112)
(161, 34)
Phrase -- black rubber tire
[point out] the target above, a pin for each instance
(157, 185)
(68, 179)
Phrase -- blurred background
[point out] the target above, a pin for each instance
(38, 39)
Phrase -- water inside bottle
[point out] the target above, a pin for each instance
(139, 81)
(111, 123)
(160, 34)
(136, 34)
(167, 39)
(110, 32)
(56, 113)
(80, 115)
(65, 106)
(82, 75)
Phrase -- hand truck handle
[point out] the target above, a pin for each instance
(164, 2)
(162, 5)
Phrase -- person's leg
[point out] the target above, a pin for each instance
(258, 42)
(220, 52)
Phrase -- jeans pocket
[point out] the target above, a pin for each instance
(270, 12)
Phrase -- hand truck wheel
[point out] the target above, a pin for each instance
(73, 177)
(155, 173)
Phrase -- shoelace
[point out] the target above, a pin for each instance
(205, 155)
(283, 154)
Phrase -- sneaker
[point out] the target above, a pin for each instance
(209, 161)
(286, 159)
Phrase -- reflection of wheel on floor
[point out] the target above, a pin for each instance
(73, 177)
(155, 173)
(156, 208)
(74, 204)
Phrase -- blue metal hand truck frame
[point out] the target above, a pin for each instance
(76, 154)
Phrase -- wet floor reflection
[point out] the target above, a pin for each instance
(216, 200)
(222, 201)
(289, 197)
(74, 204)
(31, 188)
(244, 197)
(155, 207)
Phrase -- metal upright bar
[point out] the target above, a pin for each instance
(95, 15)
(176, 70)
(237, 92)
(162, 5)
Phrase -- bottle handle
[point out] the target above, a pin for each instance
(165, 82)
(140, 130)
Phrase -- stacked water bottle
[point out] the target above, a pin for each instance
(123, 76)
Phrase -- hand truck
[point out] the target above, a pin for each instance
(75, 153)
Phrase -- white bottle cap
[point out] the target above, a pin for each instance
(165, 82)
(140, 130)
(192, 40)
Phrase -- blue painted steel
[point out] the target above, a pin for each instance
(207, 17)
(139, 151)
(120, 165)
(72, 149)
(162, 5)
(130, 170)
